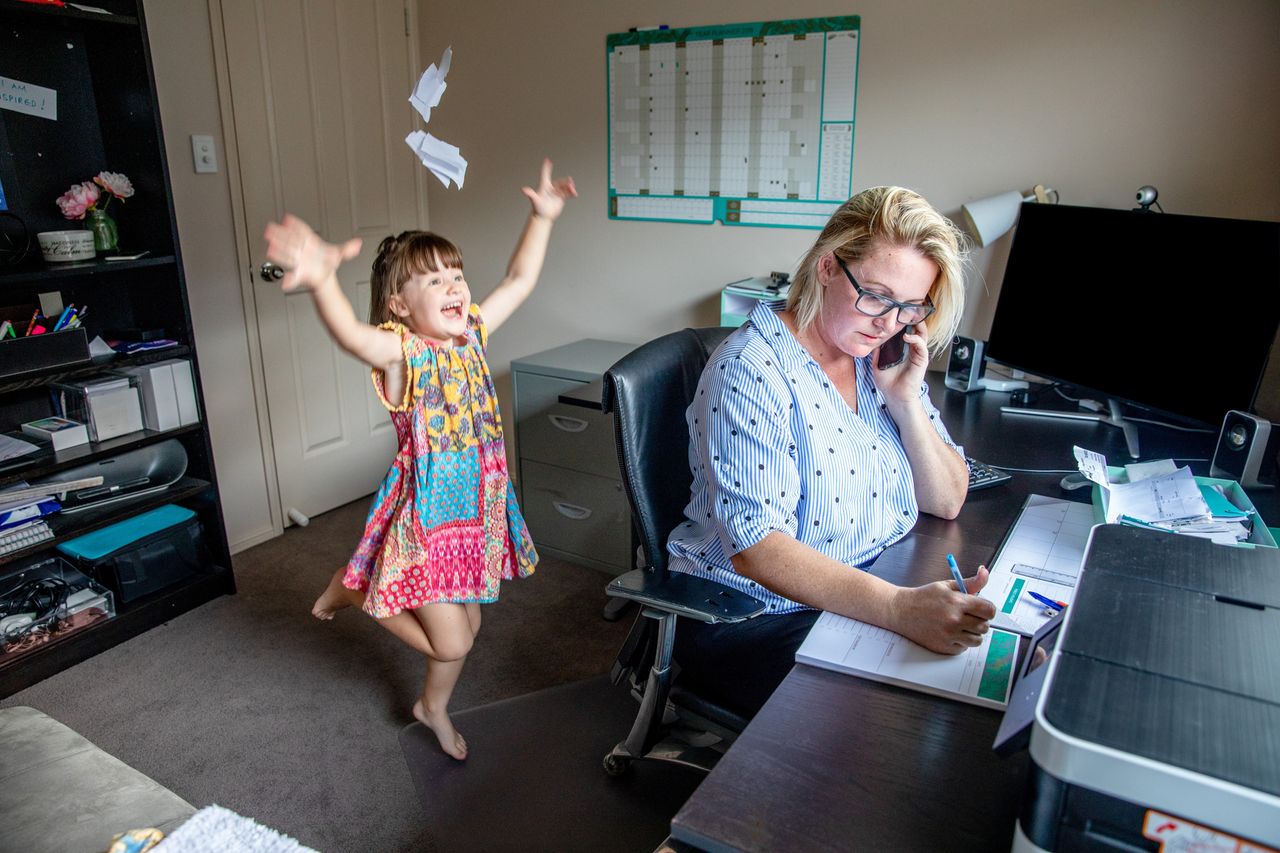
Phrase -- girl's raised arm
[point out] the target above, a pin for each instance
(312, 264)
(531, 249)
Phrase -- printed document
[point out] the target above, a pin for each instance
(1041, 554)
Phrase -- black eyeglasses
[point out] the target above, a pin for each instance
(875, 305)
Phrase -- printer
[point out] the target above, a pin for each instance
(1153, 703)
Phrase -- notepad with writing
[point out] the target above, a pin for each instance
(981, 675)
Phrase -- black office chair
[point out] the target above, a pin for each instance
(648, 392)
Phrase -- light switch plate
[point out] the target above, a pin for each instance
(203, 153)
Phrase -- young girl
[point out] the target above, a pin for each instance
(444, 528)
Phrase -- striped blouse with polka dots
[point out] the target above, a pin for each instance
(773, 446)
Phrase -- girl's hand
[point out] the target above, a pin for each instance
(308, 261)
(548, 199)
(901, 384)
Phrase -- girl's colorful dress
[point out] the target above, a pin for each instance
(444, 526)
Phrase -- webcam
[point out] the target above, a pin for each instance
(1146, 197)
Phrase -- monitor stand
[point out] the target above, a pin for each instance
(1115, 418)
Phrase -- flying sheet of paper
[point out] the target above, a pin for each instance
(431, 86)
(444, 160)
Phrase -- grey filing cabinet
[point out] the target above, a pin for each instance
(570, 489)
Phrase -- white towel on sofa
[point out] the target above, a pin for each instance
(214, 829)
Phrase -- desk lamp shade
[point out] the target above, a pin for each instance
(989, 218)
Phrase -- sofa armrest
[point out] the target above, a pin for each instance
(56, 787)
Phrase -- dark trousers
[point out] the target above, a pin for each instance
(739, 665)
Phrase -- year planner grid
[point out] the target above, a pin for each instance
(745, 124)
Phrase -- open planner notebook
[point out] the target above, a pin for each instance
(1042, 552)
(981, 675)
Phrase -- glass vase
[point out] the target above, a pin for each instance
(105, 236)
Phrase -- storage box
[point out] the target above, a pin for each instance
(143, 554)
(168, 392)
(110, 405)
(1259, 535)
(59, 432)
(158, 394)
(38, 352)
(44, 599)
(184, 383)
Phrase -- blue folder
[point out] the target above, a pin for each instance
(28, 513)
(99, 543)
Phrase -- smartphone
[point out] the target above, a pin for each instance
(893, 351)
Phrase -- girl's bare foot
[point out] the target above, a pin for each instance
(450, 741)
(334, 598)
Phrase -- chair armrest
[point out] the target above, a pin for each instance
(685, 595)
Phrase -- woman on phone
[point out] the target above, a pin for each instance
(812, 451)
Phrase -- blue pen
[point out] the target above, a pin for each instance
(955, 573)
(1046, 601)
(67, 314)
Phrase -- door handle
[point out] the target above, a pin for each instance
(271, 272)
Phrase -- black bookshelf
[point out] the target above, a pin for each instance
(107, 120)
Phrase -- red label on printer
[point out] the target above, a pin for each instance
(1178, 835)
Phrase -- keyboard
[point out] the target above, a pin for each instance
(983, 476)
(24, 537)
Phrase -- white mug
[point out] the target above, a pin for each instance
(62, 246)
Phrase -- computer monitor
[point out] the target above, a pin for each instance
(1176, 314)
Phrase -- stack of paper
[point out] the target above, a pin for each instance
(1226, 519)
(1163, 496)
(12, 448)
(24, 510)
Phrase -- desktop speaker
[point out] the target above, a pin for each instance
(1245, 451)
(964, 369)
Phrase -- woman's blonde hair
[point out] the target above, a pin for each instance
(890, 216)
(401, 256)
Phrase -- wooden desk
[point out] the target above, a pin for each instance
(834, 762)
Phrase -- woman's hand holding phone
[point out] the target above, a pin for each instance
(901, 362)
(893, 351)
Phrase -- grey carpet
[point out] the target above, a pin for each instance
(250, 703)
(534, 780)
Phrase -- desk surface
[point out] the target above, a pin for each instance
(834, 762)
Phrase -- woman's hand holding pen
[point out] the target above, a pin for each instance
(549, 197)
(308, 260)
(940, 617)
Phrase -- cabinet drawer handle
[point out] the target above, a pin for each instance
(577, 513)
(568, 424)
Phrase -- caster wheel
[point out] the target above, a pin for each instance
(616, 765)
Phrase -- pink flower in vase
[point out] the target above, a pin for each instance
(80, 198)
(115, 183)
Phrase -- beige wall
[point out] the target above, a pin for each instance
(959, 100)
(956, 99)
(182, 54)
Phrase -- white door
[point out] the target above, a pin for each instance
(319, 94)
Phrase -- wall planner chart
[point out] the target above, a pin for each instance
(748, 124)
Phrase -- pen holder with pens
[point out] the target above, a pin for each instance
(23, 355)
